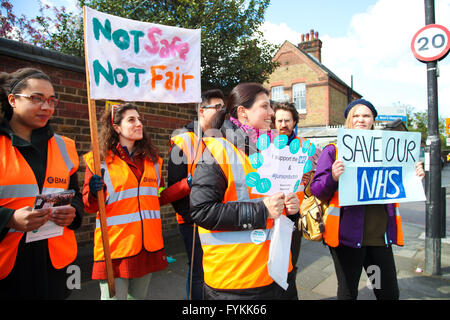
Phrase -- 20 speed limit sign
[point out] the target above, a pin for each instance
(431, 43)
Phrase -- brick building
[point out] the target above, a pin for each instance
(72, 120)
(320, 96)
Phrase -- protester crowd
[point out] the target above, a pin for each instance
(216, 211)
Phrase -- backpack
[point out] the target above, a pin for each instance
(313, 213)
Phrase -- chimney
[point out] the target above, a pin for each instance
(311, 44)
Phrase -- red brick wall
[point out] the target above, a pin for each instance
(71, 119)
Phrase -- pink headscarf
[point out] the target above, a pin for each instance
(252, 132)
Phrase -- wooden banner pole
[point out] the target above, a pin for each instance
(97, 171)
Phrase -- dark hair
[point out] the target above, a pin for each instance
(16, 82)
(211, 94)
(286, 106)
(109, 138)
(244, 94)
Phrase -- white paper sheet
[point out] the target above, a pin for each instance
(48, 230)
(280, 248)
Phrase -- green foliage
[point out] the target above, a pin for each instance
(63, 32)
(54, 28)
(418, 122)
(232, 48)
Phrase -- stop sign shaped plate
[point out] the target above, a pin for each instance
(431, 43)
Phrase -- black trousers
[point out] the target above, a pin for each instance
(379, 264)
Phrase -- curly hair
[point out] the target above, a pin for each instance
(109, 138)
(286, 106)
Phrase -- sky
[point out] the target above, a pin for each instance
(367, 39)
(371, 40)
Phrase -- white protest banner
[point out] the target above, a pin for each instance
(138, 61)
(279, 166)
(380, 167)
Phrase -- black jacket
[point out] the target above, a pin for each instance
(208, 189)
(33, 275)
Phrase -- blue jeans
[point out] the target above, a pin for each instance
(186, 231)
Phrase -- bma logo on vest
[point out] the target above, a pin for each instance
(149, 180)
(380, 183)
(56, 180)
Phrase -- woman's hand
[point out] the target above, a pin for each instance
(337, 169)
(275, 205)
(291, 203)
(96, 184)
(26, 219)
(419, 170)
(63, 216)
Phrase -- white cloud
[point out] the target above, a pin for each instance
(277, 34)
(376, 51)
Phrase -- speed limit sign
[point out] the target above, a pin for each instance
(431, 43)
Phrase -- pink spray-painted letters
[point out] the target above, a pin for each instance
(167, 49)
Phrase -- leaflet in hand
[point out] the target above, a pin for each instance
(44, 201)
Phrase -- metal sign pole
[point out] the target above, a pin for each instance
(433, 188)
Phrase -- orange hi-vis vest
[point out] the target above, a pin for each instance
(398, 220)
(188, 143)
(300, 194)
(235, 259)
(132, 208)
(18, 189)
(332, 221)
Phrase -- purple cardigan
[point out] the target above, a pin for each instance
(351, 225)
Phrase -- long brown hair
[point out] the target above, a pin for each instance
(109, 138)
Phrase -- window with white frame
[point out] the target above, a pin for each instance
(277, 93)
(299, 97)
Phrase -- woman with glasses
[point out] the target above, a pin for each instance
(131, 179)
(34, 160)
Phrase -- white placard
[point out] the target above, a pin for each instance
(380, 167)
(138, 61)
(279, 166)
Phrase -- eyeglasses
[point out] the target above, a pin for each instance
(39, 100)
(217, 106)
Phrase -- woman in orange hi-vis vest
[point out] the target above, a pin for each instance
(234, 224)
(34, 160)
(131, 179)
(361, 235)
